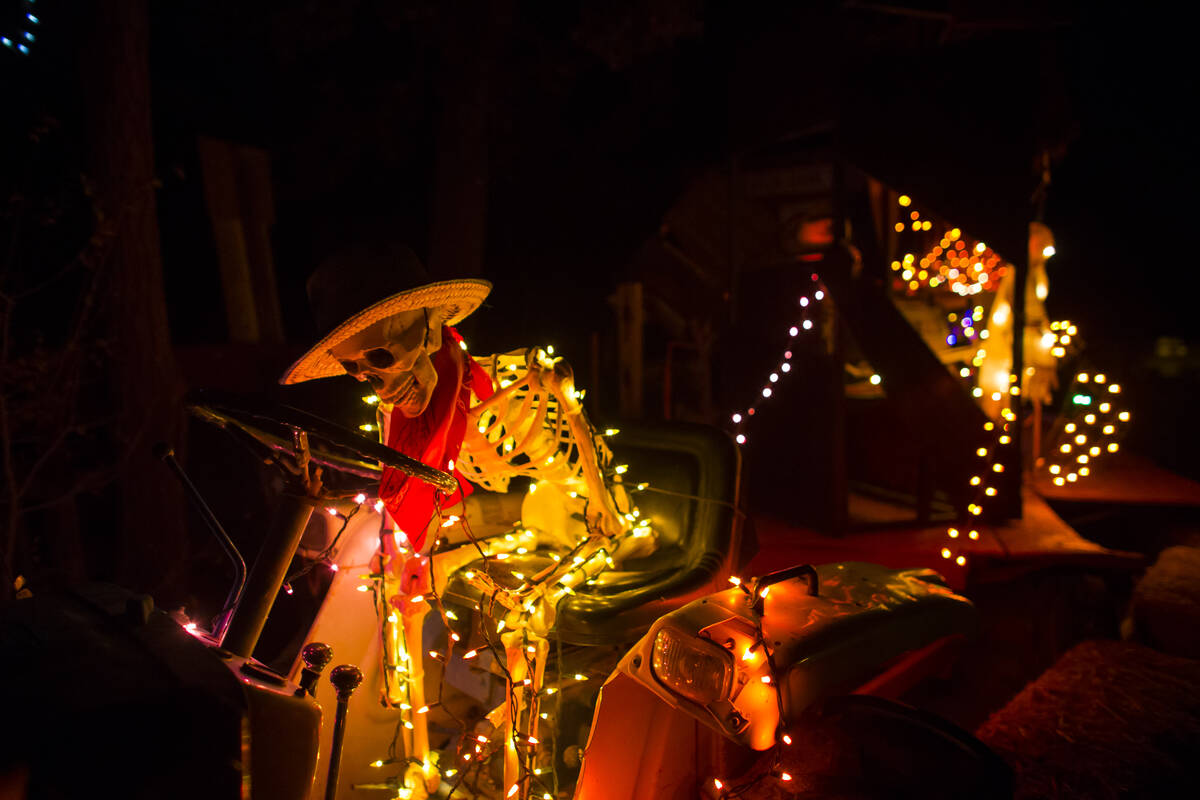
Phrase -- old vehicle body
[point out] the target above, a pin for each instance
(647, 631)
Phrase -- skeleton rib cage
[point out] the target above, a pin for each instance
(522, 429)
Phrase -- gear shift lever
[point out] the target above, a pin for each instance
(345, 679)
(316, 656)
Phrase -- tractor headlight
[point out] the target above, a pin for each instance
(691, 667)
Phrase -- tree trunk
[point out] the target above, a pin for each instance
(146, 386)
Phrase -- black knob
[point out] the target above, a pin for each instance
(316, 656)
(345, 679)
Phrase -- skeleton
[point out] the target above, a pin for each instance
(534, 426)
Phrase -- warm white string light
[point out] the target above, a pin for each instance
(741, 418)
(1089, 432)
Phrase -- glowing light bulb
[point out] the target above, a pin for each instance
(973, 535)
(946, 552)
(792, 331)
(952, 533)
(766, 392)
(1048, 251)
(773, 377)
(820, 295)
(961, 561)
(904, 200)
(736, 418)
(1123, 416)
(804, 300)
(997, 467)
(1112, 447)
(740, 438)
(785, 367)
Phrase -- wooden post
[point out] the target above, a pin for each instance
(1014, 461)
(145, 381)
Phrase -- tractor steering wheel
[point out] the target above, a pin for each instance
(273, 431)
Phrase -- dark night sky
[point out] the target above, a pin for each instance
(598, 113)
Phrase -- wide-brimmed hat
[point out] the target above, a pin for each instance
(366, 283)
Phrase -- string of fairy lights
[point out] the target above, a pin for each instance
(941, 258)
(22, 41)
(1089, 428)
(806, 303)
(496, 618)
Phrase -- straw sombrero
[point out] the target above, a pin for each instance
(366, 283)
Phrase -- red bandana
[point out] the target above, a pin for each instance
(435, 438)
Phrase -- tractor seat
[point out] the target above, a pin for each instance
(698, 538)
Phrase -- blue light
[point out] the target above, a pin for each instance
(29, 36)
(7, 41)
(1082, 399)
(32, 19)
(952, 340)
(24, 50)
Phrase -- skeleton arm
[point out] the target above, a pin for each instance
(535, 426)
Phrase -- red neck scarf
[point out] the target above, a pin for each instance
(435, 438)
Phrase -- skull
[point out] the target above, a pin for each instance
(393, 355)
